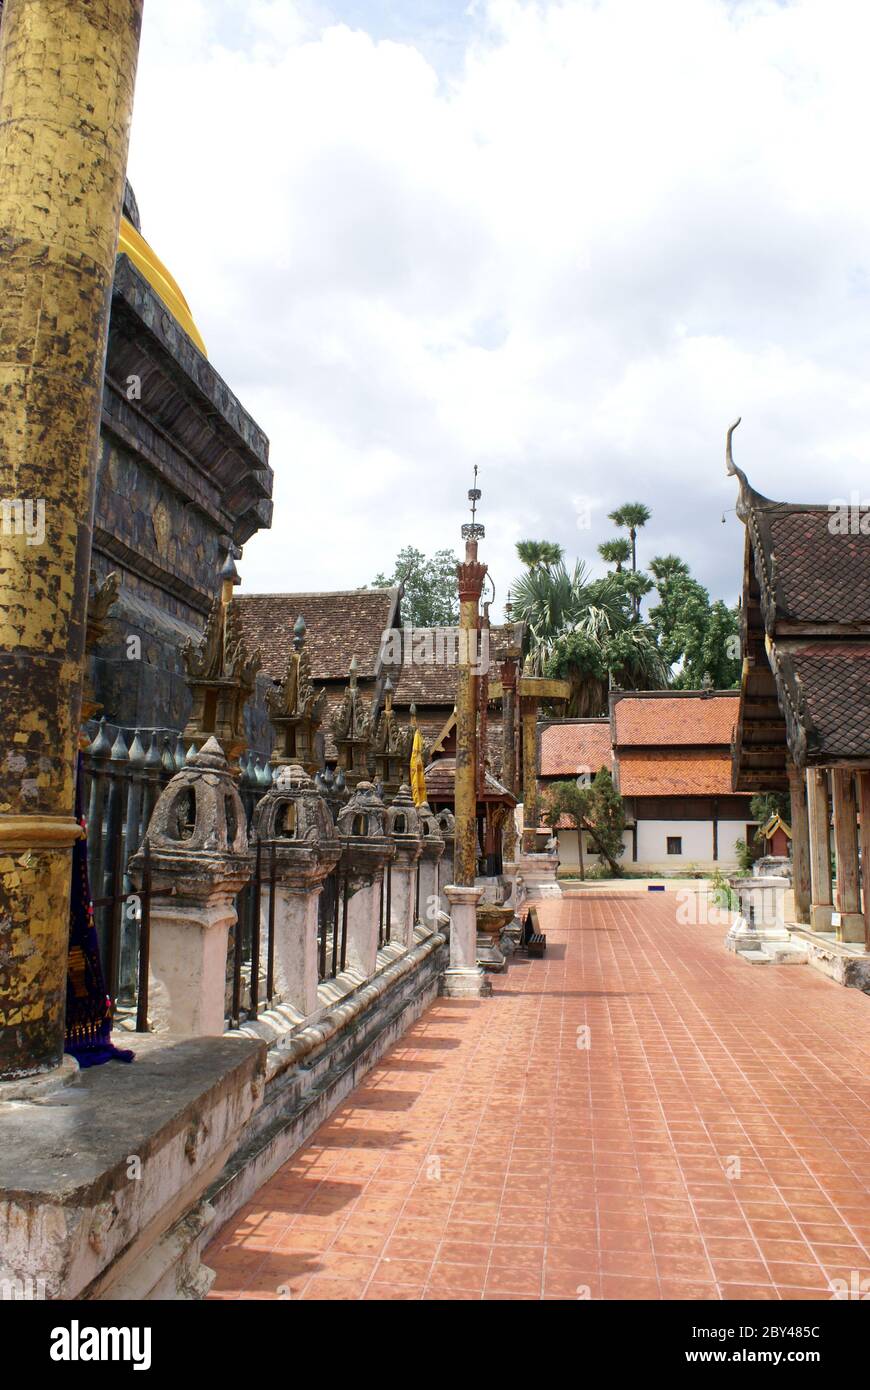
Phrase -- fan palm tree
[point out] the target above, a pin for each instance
(535, 554)
(583, 631)
(632, 515)
(615, 552)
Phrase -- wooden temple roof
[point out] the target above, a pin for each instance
(805, 687)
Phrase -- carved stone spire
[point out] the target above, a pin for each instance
(296, 709)
(220, 675)
(352, 730)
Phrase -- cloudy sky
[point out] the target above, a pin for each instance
(568, 243)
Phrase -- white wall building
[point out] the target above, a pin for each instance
(669, 753)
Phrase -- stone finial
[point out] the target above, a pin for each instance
(352, 730)
(430, 828)
(364, 815)
(403, 817)
(446, 824)
(293, 810)
(200, 810)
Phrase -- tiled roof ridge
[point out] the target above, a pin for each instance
(320, 593)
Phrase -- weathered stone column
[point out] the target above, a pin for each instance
(851, 924)
(403, 828)
(293, 819)
(800, 844)
(67, 69)
(463, 977)
(470, 575)
(447, 827)
(529, 717)
(864, 784)
(820, 849)
(429, 866)
(366, 852)
(199, 861)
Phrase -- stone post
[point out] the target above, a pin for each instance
(820, 849)
(463, 977)
(293, 819)
(447, 827)
(429, 867)
(800, 844)
(367, 850)
(67, 71)
(403, 828)
(851, 924)
(199, 861)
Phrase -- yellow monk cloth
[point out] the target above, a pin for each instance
(418, 777)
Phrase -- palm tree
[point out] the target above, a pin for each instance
(615, 552)
(665, 567)
(583, 631)
(631, 515)
(536, 554)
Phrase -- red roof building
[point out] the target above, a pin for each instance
(669, 753)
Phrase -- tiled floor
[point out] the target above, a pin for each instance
(706, 1138)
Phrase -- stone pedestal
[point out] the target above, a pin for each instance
(296, 974)
(429, 869)
(367, 850)
(188, 962)
(759, 930)
(198, 860)
(295, 821)
(463, 978)
(539, 873)
(404, 829)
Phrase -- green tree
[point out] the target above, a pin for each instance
(632, 516)
(536, 554)
(615, 552)
(585, 632)
(700, 638)
(430, 597)
(597, 809)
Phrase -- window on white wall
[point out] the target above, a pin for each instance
(675, 844)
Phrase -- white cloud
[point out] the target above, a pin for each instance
(572, 259)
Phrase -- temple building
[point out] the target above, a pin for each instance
(183, 474)
(804, 714)
(669, 753)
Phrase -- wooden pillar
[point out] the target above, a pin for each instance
(820, 849)
(864, 784)
(67, 70)
(848, 902)
(470, 576)
(800, 844)
(529, 714)
(509, 757)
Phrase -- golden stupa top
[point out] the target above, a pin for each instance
(134, 245)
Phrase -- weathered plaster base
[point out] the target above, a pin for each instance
(844, 962)
(538, 874)
(92, 1179)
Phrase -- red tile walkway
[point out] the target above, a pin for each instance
(711, 1141)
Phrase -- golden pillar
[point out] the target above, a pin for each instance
(529, 718)
(67, 71)
(508, 673)
(470, 575)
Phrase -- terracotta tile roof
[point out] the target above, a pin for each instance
(829, 684)
(340, 626)
(815, 575)
(429, 670)
(652, 720)
(680, 772)
(440, 777)
(572, 746)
